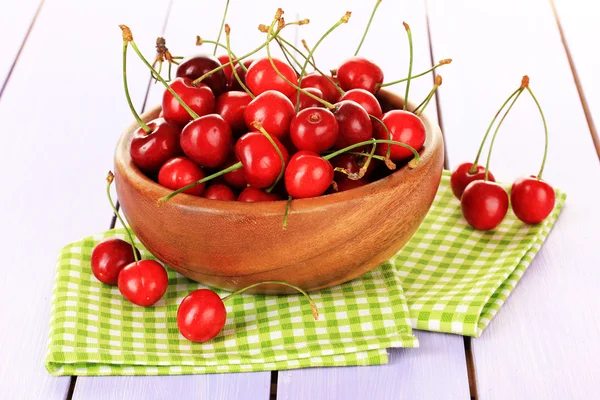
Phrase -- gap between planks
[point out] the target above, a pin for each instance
(584, 104)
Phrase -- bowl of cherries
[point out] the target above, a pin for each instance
(266, 169)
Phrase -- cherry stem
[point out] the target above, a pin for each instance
(410, 63)
(389, 134)
(313, 306)
(288, 206)
(229, 54)
(312, 58)
(168, 197)
(545, 133)
(377, 2)
(287, 56)
(262, 130)
(222, 25)
(199, 41)
(363, 169)
(443, 62)
(489, 157)
(160, 78)
(374, 141)
(140, 122)
(109, 180)
(425, 103)
(288, 52)
(356, 153)
(342, 20)
(487, 132)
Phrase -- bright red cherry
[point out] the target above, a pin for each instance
(305, 100)
(237, 178)
(262, 164)
(261, 76)
(366, 100)
(461, 177)
(235, 85)
(179, 172)
(532, 199)
(314, 129)
(207, 140)
(109, 257)
(307, 175)
(354, 124)
(143, 282)
(359, 73)
(326, 86)
(196, 66)
(219, 191)
(484, 204)
(273, 110)
(201, 315)
(253, 195)
(149, 151)
(231, 106)
(344, 183)
(199, 98)
(404, 127)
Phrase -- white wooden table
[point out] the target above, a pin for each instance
(62, 109)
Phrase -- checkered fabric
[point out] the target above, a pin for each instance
(456, 278)
(95, 331)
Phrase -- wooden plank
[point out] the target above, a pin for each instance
(438, 368)
(15, 22)
(62, 111)
(544, 341)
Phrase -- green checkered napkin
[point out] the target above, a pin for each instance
(456, 278)
(94, 331)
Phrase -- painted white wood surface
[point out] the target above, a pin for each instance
(543, 344)
(61, 119)
(14, 24)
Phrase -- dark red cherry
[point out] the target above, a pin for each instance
(484, 204)
(179, 172)
(307, 175)
(314, 129)
(196, 66)
(352, 163)
(366, 99)
(404, 127)
(326, 86)
(261, 76)
(199, 98)
(253, 195)
(237, 178)
(532, 199)
(149, 151)
(235, 85)
(273, 111)
(109, 257)
(305, 100)
(262, 164)
(344, 183)
(354, 124)
(219, 191)
(359, 73)
(231, 106)
(207, 140)
(461, 177)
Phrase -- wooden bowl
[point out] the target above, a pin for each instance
(329, 239)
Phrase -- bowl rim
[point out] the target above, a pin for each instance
(124, 165)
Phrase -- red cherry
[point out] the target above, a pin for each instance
(231, 106)
(307, 175)
(219, 191)
(354, 124)
(235, 85)
(366, 100)
(262, 164)
(149, 151)
(253, 195)
(305, 100)
(359, 73)
(207, 140)
(404, 127)
(532, 199)
(344, 183)
(199, 98)
(109, 257)
(261, 76)
(461, 177)
(236, 178)
(179, 172)
(273, 111)
(318, 81)
(484, 204)
(196, 66)
(352, 163)
(201, 315)
(143, 282)
(314, 129)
